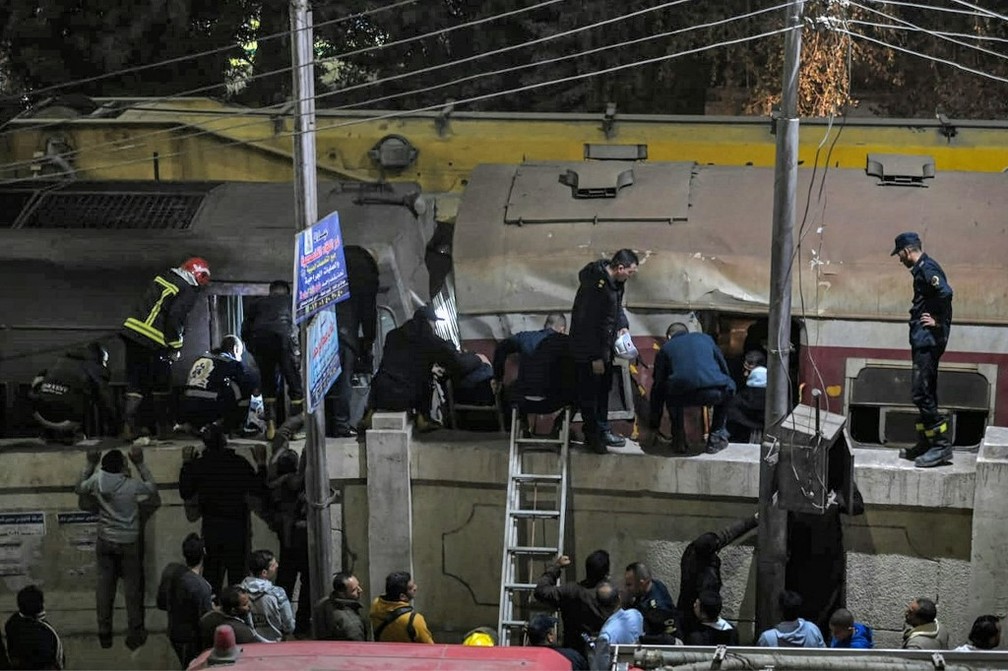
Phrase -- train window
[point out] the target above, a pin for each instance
(881, 412)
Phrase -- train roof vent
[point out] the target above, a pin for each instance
(596, 181)
(900, 169)
(109, 209)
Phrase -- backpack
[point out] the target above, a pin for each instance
(395, 615)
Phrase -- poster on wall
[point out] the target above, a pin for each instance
(80, 529)
(320, 273)
(21, 534)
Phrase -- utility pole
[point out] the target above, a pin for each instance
(306, 214)
(772, 539)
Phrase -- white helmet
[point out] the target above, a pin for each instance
(624, 347)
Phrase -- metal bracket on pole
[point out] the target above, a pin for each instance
(938, 661)
(441, 122)
(609, 120)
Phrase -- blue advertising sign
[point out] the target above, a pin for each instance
(320, 274)
(323, 356)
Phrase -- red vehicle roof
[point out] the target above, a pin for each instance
(347, 656)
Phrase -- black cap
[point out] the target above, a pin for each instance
(903, 240)
(427, 312)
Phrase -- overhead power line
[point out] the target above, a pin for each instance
(464, 101)
(960, 66)
(936, 8)
(347, 54)
(412, 73)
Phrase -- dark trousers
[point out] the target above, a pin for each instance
(199, 411)
(343, 388)
(593, 397)
(273, 352)
(293, 563)
(119, 560)
(227, 550)
(147, 369)
(717, 397)
(924, 384)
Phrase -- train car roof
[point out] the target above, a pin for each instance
(704, 233)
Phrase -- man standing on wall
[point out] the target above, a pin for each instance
(153, 333)
(930, 323)
(597, 318)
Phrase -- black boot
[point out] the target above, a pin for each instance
(920, 448)
(940, 452)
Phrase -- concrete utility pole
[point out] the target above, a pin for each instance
(306, 214)
(772, 539)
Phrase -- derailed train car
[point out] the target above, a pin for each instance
(75, 256)
(703, 232)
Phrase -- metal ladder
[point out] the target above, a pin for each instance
(525, 514)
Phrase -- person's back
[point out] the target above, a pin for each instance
(118, 495)
(222, 479)
(188, 602)
(340, 619)
(719, 632)
(695, 363)
(32, 643)
(272, 615)
(792, 631)
(577, 602)
(403, 378)
(269, 318)
(79, 381)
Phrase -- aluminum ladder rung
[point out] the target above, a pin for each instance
(519, 586)
(516, 555)
(533, 550)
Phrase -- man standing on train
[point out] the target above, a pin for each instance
(930, 324)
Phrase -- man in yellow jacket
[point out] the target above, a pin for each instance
(393, 619)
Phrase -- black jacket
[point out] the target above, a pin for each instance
(700, 567)
(686, 363)
(579, 608)
(158, 320)
(597, 315)
(357, 316)
(405, 371)
(269, 317)
(32, 643)
(932, 294)
(77, 380)
(188, 600)
(223, 480)
(221, 374)
(546, 369)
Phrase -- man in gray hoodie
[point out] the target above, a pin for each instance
(119, 546)
(272, 615)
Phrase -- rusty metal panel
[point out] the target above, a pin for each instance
(804, 441)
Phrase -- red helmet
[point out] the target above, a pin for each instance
(199, 268)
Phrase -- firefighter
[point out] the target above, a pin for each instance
(269, 330)
(66, 393)
(153, 336)
(219, 388)
(930, 324)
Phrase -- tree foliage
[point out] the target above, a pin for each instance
(423, 54)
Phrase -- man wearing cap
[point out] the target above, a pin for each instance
(690, 370)
(930, 324)
(403, 380)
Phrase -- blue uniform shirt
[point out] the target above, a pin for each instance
(933, 295)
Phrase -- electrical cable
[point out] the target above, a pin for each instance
(356, 52)
(917, 28)
(936, 59)
(368, 102)
(210, 52)
(889, 26)
(285, 104)
(983, 10)
(485, 96)
(917, 5)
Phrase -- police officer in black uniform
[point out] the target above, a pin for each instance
(66, 393)
(930, 323)
(268, 330)
(597, 318)
(219, 388)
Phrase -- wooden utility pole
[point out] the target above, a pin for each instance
(772, 543)
(306, 214)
